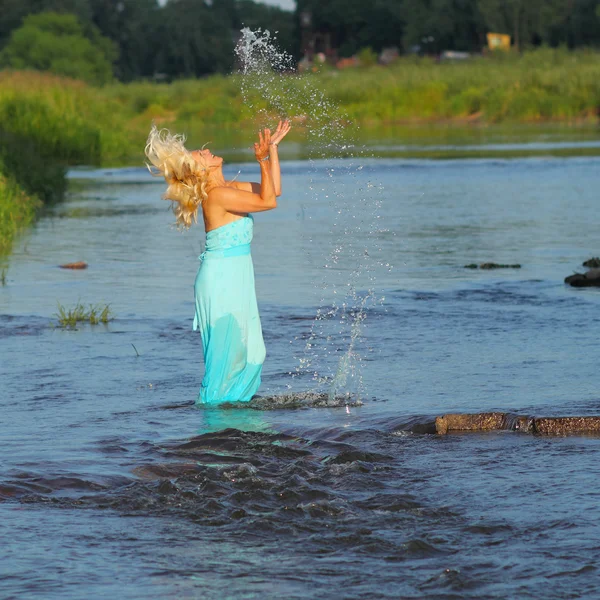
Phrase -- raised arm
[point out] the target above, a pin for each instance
(275, 169)
(247, 198)
(248, 186)
(282, 130)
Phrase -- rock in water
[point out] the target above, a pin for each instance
(566, 425)
(491, 265)
(589, 279)
(470, 422)
(592, 263)
(497, 266)
(510, 422)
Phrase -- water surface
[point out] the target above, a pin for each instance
(113, 483)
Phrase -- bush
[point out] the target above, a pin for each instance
(57, 43)
(17, 210)
(367, 57)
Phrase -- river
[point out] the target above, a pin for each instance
(112, 483)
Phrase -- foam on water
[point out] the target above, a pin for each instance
(271, 93)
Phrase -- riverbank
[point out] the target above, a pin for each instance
(47, 123)
(539, 87)
(416, 108)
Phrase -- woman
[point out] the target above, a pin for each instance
(226, 310)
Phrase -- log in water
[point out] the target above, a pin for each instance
(495, 421)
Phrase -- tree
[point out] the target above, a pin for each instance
(530, 22)
(57, 43)
(133, 26)
(192, 40)
(355, 24)
(14, 11)
(582, 26)
(437, 25)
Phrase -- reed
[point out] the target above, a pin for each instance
(46, 124)
(78, 124)
(93, 314)
(17, 211)
(541, 85)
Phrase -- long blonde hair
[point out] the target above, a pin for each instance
(186, 179)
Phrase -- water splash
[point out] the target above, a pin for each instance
(271, 91)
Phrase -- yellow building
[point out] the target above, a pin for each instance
(498, 41)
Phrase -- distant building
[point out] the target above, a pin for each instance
(498, 41)
(454, 55)
(315, 42)
(389, 55)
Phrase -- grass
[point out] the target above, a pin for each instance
(48, 123)
(73, 123)
(93, 314)
(43, 129)
(541, 85)
(544, 85)
(17, 211)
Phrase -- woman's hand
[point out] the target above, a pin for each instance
(283, 128)
(261, 148)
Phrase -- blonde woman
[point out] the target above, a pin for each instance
(226, 310)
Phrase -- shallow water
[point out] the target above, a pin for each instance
(112, 483)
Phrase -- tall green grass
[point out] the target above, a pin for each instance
(545, 85)
(48, 123)
(78, 124)
(542, 85)
(17, 210)
(95, 314)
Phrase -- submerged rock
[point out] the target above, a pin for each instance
(497, 266)
(509, 422)
(470, 422)
(566, 425)
(294, 400)
(75, 265)
(491, 265)
(589, 279)
(593, 263)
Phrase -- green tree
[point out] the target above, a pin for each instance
(57, 43)
(14, 11)
(437, 25)
(192, 40)
(355, 24)
(529, 22)
(132, 25)
(582, 25)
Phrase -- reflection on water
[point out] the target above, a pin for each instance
(214, 419)
(437, 140)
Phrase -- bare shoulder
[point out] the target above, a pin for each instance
(221, 191)
(237, 200)
(245, 186)
(212, 209)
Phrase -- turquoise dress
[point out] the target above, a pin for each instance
(227, 316)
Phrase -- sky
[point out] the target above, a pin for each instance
(285, 4)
